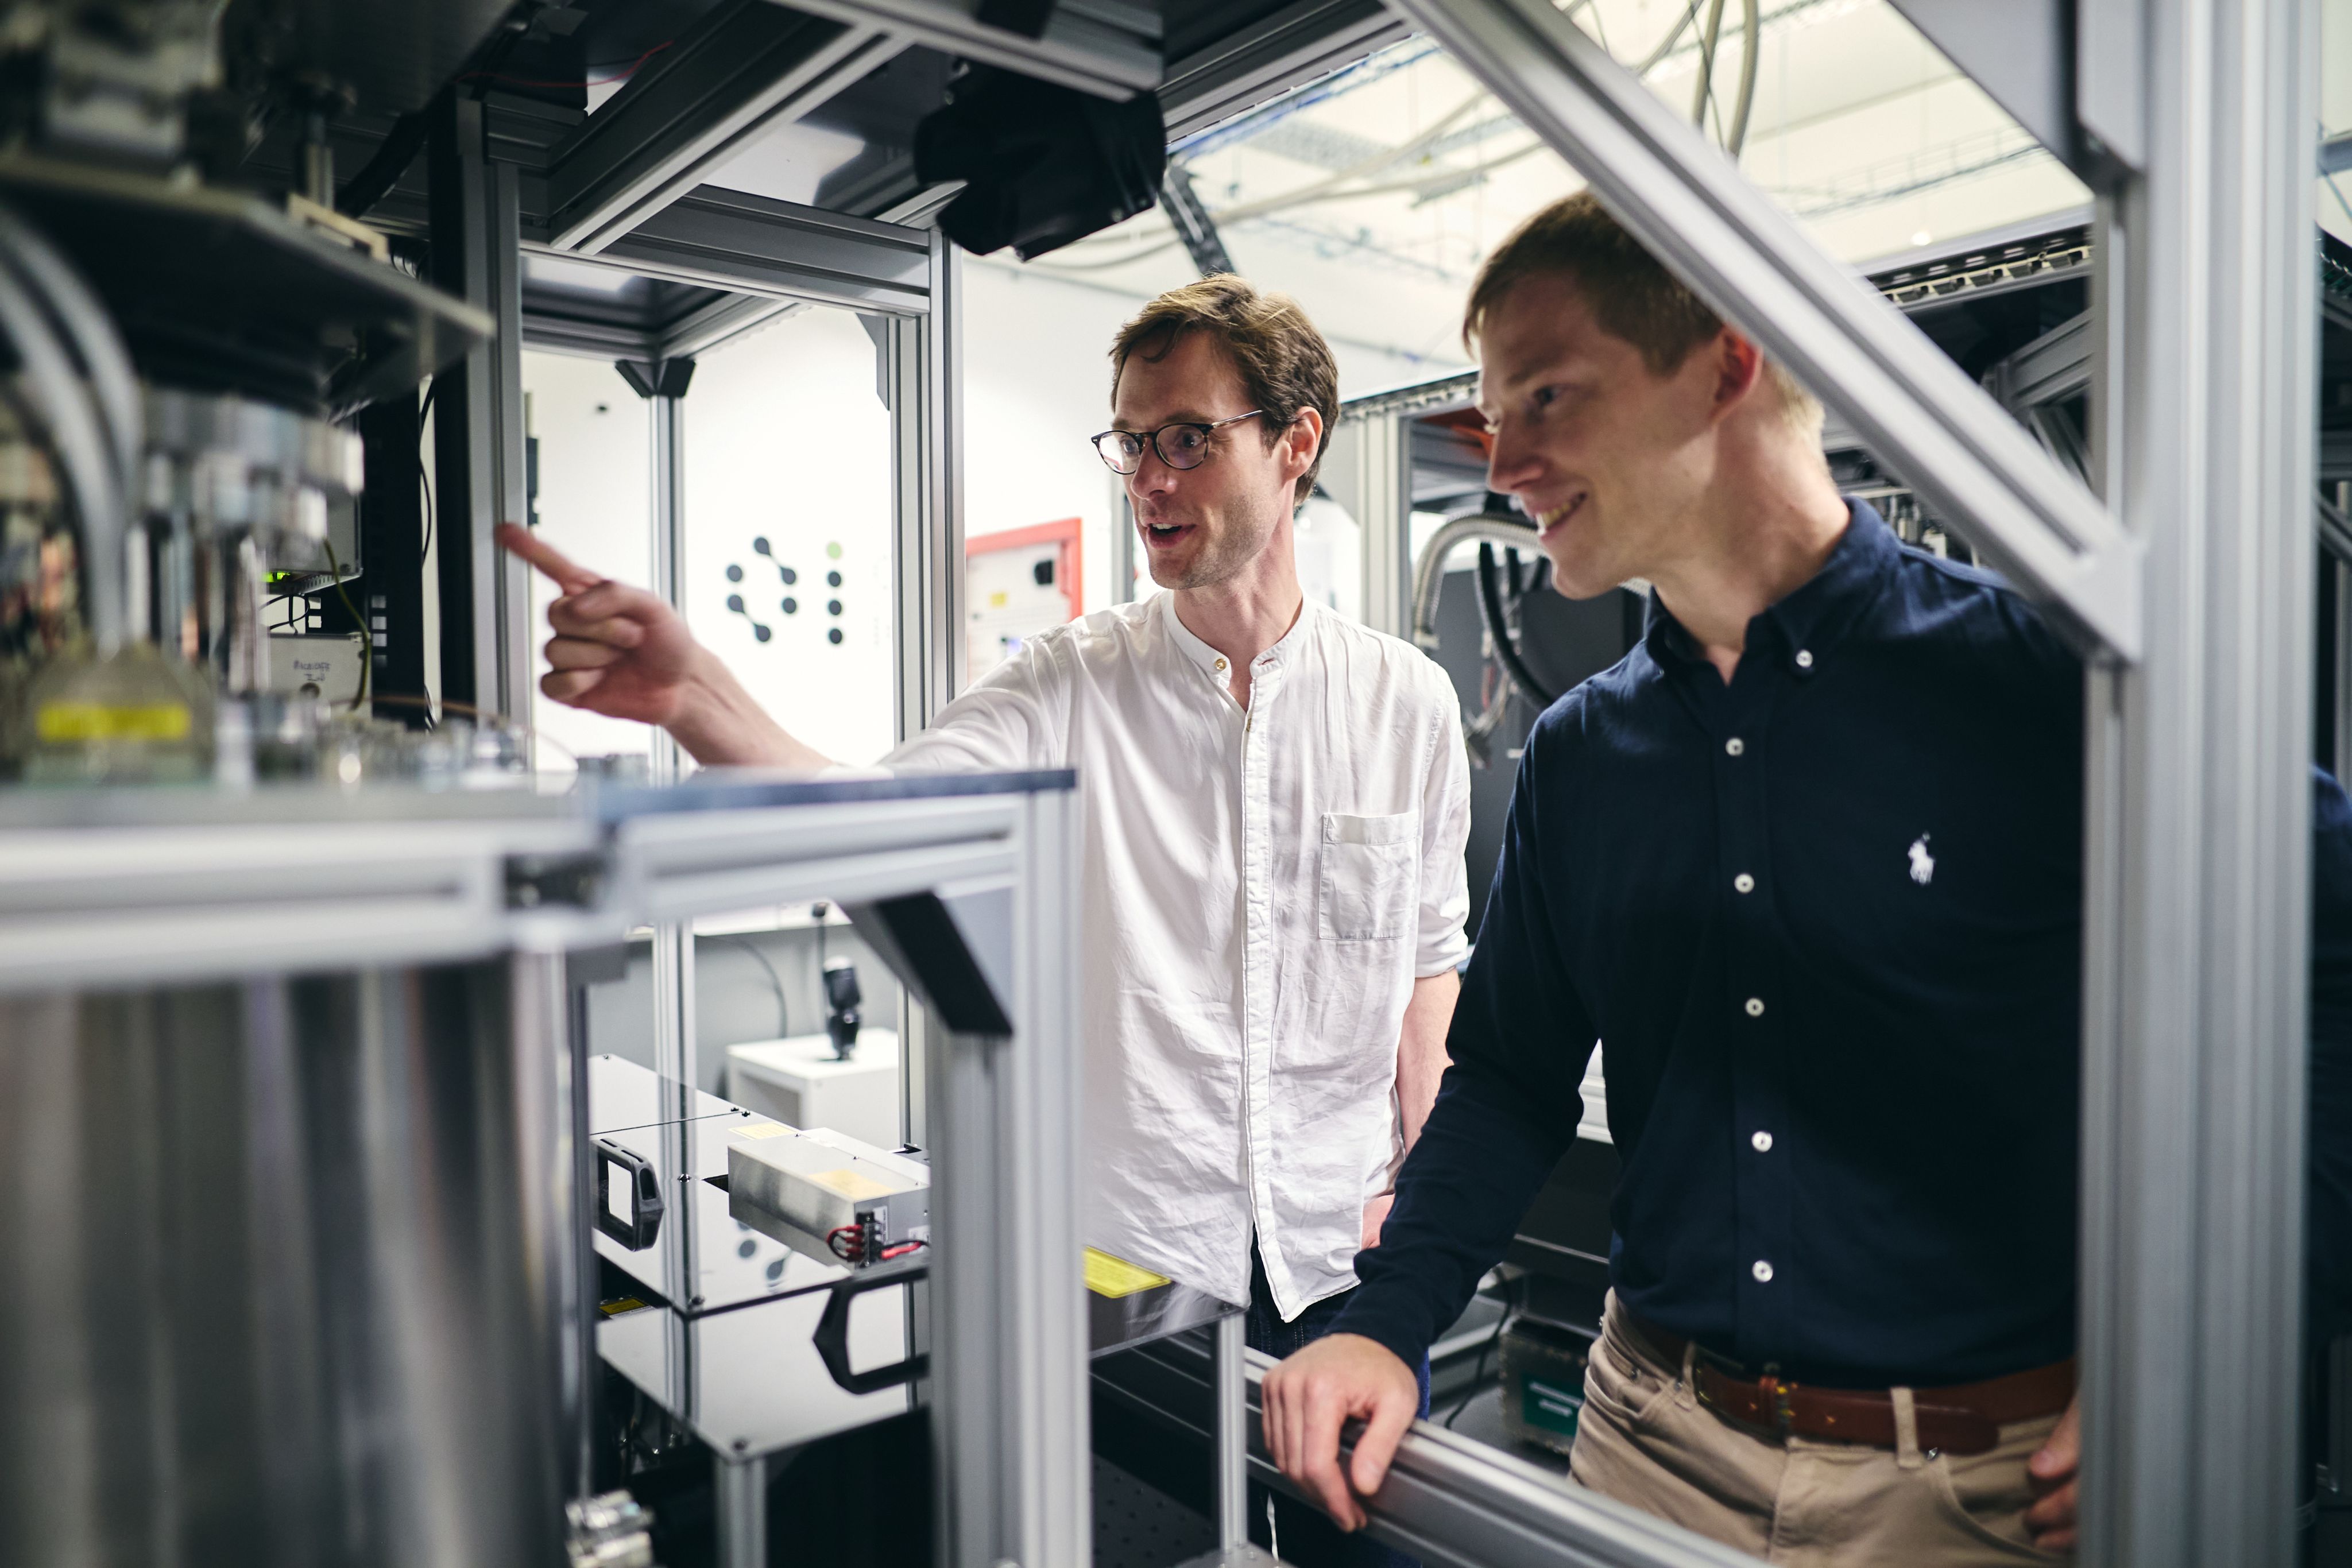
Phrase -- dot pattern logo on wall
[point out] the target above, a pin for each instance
(788, 603)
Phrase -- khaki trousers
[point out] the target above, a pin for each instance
(1644, 1438)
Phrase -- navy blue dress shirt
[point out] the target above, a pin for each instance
(2329, 1214)
(1827, 920)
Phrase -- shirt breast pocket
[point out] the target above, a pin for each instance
(1368, 881)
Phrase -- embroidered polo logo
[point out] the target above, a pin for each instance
(1922, 864)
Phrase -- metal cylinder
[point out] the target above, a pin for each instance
(285, 1270)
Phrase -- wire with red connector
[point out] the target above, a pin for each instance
(854, 1244)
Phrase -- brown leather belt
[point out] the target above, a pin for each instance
(1964, 1419)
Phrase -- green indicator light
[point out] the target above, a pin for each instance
(833, 551)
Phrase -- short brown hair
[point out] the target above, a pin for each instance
(1632, 295)
(1284, 363)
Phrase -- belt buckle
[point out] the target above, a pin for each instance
(1784, 1413)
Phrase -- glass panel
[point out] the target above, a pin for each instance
(787, 578)
(787, 571)
(1036, 385)
(1373, 198)
(2325, 1486)
(595, 502)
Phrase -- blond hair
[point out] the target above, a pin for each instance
(1632, 295)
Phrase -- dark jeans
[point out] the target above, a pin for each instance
(1308, 1538)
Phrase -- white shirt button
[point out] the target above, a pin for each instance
(1221, 664)
(1762, 1142)
(1762, 1271)
(1743, 882)
(1735, 746)
(1756, 1007)
(1804, 659)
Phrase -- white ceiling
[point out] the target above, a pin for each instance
(1373, 196)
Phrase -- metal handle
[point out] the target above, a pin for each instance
(633, 1217)
(832, 1336)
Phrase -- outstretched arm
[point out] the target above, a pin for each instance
(622, 652)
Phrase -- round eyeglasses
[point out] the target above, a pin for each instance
(1183, 444)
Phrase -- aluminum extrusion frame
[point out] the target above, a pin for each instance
(478, 431)
(1692, 206)
(1450, 1501)
(742, 73)
(2198, 806)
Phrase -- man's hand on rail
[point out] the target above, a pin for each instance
(1310, 1396)
(622, 652)
(2054, 1474)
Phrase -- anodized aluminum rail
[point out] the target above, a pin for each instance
(1449, 1500)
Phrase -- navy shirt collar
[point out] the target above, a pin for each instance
(1811, 619)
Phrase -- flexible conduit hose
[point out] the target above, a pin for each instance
(1429, 572)
(1738, 138)
(1488, 528)
(89, 402)
(1734, 135)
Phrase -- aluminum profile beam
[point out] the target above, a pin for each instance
(923, 375)
(1915, 409)
(2197, 812)
(2020, 54)
(922, 381)
(747, 68)
(2053, 366)
(1009, 1421)
(2336, 533)
(1268, 57)
(478, 432)
(751, 244)
(1107, 47)
(1368, 470)
(547, 326)
(1449, 1500)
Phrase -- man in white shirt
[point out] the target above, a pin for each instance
(1275, 805)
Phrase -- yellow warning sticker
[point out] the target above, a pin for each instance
(850, 1184)
(762, 1130)
(99, 721)
(1116, 1277)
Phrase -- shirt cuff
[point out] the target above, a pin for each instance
(1447, 953)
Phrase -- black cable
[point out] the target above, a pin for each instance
(424, 479)
(1490, 609)
(424, 484)
(1479, 1372)
(784, 1019)
(380, 173)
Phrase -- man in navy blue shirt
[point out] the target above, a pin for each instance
(1809, 863)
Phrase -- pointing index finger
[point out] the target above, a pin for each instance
(567, 574)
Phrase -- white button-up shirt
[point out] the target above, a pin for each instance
(1261, 889)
